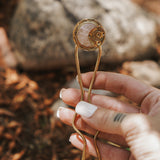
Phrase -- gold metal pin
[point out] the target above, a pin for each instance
(88, 35)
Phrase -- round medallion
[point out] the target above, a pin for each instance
(88, 34)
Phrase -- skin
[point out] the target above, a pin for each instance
(117, 121)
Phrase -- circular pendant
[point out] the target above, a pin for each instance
(88, 34)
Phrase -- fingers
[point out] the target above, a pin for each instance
(139, 130)
(108, 152)
(110, 121)
(118, 83)
(72, 97)
(66, 115)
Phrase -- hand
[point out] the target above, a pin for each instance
(117, 121)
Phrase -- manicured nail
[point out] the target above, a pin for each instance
(58, 116)
(74, 137)
(60, 94)
(85, 109)
(70, 138)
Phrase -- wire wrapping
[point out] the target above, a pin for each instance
(88, 99)
(88, 35)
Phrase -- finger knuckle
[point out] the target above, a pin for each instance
(135, 124)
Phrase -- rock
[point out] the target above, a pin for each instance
(147, 71)
(151, 6)
(41, 32)
(6, 54)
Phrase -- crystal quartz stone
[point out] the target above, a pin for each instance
(88, 34)
(83, 33)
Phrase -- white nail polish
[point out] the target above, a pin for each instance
(85, 109)
(60, 94)
(58, 113)
(70, 139)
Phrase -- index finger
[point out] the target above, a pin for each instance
(118, 83)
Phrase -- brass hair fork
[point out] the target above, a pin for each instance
(88, 35)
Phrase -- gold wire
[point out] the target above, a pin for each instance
(94, 74)
(82, 98)
(96, 146)
(88, 98)
(79, 72)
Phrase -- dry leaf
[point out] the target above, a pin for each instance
(18, 131)
(11, 77)
(20, 85)
(48, 101)
(13, 124)
(33, 85)
(75, 151)
(8, 136)
(1, 130)
(54, 157)
(33, 94)
(12, 144)
(19, 98)
(1, 150)
(17, 156)
(6, 112)
(77, 158)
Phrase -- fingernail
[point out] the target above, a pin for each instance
(85, 109)
(72, 137)
(58, 116)
(61, 91)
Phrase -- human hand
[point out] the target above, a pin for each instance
(117, 121)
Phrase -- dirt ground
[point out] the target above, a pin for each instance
(28, 129)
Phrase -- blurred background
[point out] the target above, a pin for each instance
(37, 60)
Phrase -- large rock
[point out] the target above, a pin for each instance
(41, 32)
(147, 71)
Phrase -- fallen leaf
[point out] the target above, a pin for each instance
(75, 151)
(11, 76)
(1, 130)
(19, 98)
(33, 94)
(48, 101)
(77, 158)
(12, 124)
(12, 144)
(8, 136)
(17, 156)
(6, 112)
(54, 157)
(18, 131)
(33, 85)
(1, 150)
(20, 85)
